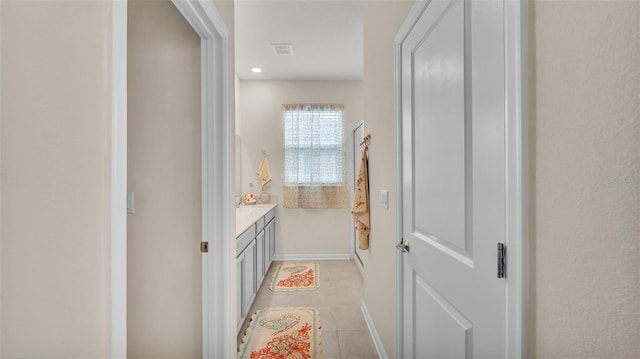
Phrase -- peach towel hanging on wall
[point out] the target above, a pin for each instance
(360, 210)
(263, 173)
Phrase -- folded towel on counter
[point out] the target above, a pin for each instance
(263, 173)
(360, 210)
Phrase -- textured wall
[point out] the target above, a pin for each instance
(381, 25)
(298, 231)
(585, 177)
(55, 156)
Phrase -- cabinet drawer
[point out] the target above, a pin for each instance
(245, 238)
(270, 215)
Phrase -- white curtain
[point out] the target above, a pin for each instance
(314, 157)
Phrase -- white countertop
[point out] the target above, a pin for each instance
(248, 215)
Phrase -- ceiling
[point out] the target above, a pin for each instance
(327, 39)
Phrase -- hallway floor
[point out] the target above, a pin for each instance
(344, 332)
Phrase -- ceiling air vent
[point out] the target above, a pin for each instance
(282, 49)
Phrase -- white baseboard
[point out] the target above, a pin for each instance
(374, 333)
(312, 257)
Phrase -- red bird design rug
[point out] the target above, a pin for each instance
(295, 276)
(282, 333)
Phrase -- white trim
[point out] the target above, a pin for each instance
(382, 354)
(409, 22)
(119, 181)
(218, 328)
(412, 18)
(218, 338)
(312, 257)
(515, 25)
(397, 74)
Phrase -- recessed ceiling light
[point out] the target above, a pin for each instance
(256, 70)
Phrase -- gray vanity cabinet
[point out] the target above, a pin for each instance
(250, 277)
(245, 266)
(260, 259)
(239, 289)
(255, 250)
(270, 243)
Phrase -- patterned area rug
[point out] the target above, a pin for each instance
(295, 276)
(283, 333)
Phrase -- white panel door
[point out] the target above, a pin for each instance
(453, 178)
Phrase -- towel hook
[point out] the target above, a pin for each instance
(365, 142)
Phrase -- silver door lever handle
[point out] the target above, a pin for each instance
(403, 246)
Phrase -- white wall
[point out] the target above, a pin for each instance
(381, 25)
(585, 179)
(164, 277)
(55, 166)
(299, 231)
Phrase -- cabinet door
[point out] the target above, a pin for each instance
(267, 250)
(272, 240)
(260, 263)
(271, 228)
(240, 289)
(249, 275)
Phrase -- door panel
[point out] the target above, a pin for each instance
(452, 90)
(249, 275)
(439, 86)
(452, 337)
(272, 239)
(240, 289)
(260, 265)
(266, 252)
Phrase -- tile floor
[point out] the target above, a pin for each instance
(338, 299)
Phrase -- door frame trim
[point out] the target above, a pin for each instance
(516, 153)
(119, 181)
(217, 323)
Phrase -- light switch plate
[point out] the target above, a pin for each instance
(384, 198)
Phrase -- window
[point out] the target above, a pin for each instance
(314, 156)
(313, 146)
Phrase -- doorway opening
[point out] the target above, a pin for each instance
(216, 272)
